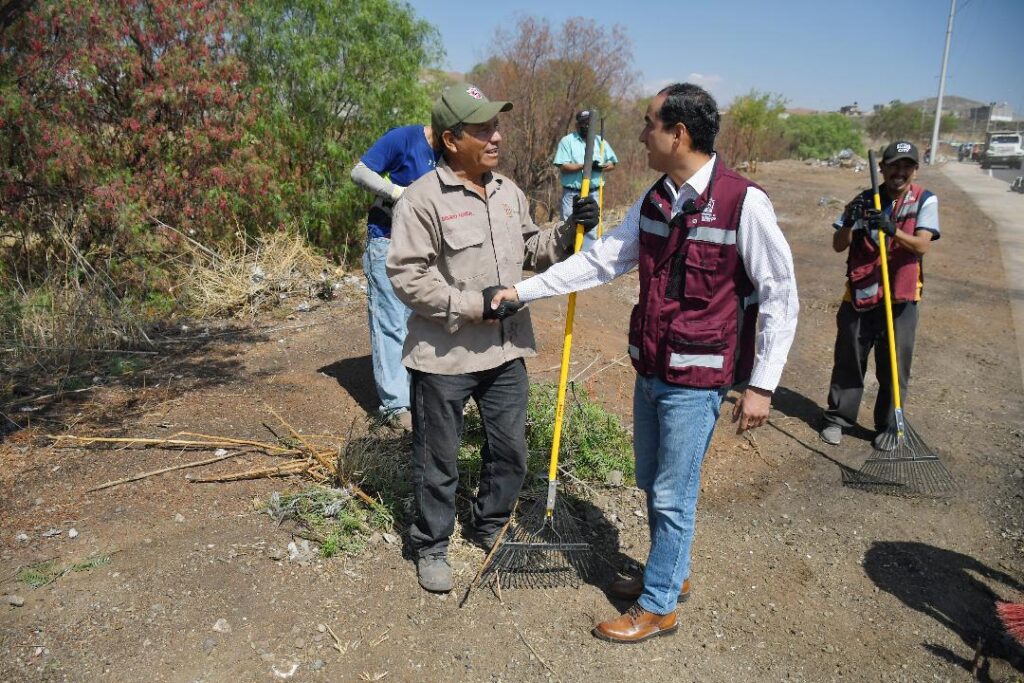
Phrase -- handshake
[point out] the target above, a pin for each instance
(501, 302)
(869, 218)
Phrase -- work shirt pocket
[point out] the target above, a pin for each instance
(701, 264)
(866, 285)
(464, 253)
(696, 353)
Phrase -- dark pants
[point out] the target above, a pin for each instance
(438, 402)
(857, 334)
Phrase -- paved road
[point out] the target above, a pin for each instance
(1006, 210)
(1007, 175)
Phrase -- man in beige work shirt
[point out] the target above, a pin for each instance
(459, 234)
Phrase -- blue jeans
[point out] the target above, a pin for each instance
(672, 428)
(389, 319)
(590, 236)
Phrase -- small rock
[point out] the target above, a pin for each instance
(38, 501)
(613, 478)
(321, 628)
(219, 452)
(639, 513)
(317, 665)
(300, 643)
(50, 533)
(276, 554)
(222, 626)
(21, 537)
(391, 539)
(1018, 474)
(15, 600)
(72, 533)
(303, 307)
(209, 644)
(179, 518)
(300, 552)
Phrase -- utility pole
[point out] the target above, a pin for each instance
(942, 86)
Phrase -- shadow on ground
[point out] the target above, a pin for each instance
(355, 375)
(55, 395)
(945, 585)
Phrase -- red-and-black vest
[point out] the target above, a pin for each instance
(695, 322)
(864, 263)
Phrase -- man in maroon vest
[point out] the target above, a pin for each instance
(718, 306)
(909, 220)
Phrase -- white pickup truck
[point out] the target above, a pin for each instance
(1004, 149)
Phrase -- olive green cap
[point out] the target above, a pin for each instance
(464, 103)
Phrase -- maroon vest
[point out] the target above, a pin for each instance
(864, 263)
(695, 322)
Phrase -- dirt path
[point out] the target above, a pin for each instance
(795, 577)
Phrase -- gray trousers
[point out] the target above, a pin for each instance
(857, 333)
(438, 402)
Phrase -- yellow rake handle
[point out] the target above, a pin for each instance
(563, 373)
(886, 291)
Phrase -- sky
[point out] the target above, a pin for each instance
(817, 54)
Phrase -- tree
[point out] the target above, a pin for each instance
(115, 114)
(897, 121)
(549, 75)
(751, 128)
(335, 74)
(819, 136)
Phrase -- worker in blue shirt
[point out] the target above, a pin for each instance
(569, 160)
(395, 160)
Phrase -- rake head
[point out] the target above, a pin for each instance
(541, 550)
(902, 464)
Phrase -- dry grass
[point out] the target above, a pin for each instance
(256, 277)
(60, 323)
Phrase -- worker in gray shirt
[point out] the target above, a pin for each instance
(460, 233)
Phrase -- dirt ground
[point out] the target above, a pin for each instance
(795, 577)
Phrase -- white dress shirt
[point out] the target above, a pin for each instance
(763, 250)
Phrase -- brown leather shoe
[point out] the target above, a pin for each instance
(637, 624)
(631, 588)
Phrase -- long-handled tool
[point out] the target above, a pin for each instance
(600, 188)
(905, 465)
(544, 546)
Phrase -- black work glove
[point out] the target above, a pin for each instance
(854, 211)
(504, 310)
(880, 221)
(584, 211)
(596, 165)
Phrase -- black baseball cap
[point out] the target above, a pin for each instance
(583, 116)
(901, 149)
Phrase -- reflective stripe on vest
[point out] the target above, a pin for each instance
(713, 235)
(654, 227)
(634, 352)
(696, 360)
(866, 293)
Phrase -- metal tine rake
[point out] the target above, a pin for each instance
(910, 469)
(544, 547)
(541, 551)
(903, 465)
